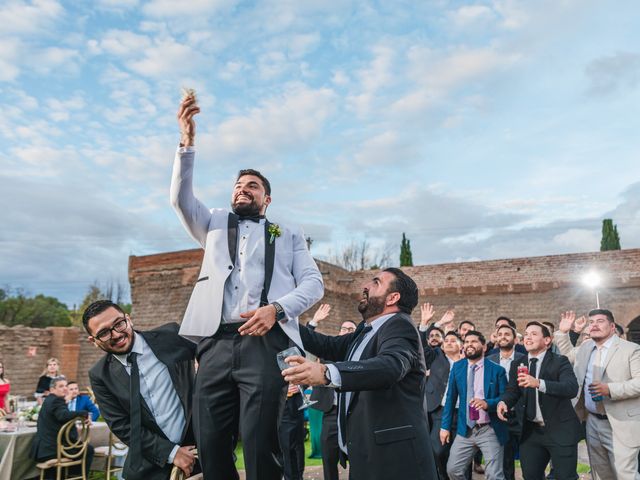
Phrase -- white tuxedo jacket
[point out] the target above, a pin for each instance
(296, 283)
(621, 373)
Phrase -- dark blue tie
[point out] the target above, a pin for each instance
(135, 434)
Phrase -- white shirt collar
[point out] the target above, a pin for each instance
(540, 356)
(378, 322)
(138, 347)
(607, 344)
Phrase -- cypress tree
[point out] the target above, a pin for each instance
(406, 257)
(610, 238)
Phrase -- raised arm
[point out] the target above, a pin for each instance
(193, 214)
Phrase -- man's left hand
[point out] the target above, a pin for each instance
(304, 372)
(599, 389)
(260, 321)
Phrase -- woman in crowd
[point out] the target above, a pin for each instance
(5, 386)
(44, 382)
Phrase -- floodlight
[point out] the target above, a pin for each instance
(591, 279)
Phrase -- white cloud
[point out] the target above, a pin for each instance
(375, 76)
(163, 58)
(578, 240)
(124, 43)
(279, 123)
(28, 17)
(617, 72)
(53, 58)
(472, 15)
(194, 8)
(10, 50)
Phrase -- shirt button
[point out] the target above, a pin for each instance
(230, 267)
(235, 287)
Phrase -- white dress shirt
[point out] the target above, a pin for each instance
(542, 388)
(243, 287)
(158, 392)
(505, 362)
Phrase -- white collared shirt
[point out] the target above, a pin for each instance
(588, 378)
(506, 362)
(542, 388)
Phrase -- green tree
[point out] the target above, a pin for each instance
(406, 257)
(610, 238)
(97, 292)
(39, 311)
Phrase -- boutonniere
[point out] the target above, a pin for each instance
(274, 230)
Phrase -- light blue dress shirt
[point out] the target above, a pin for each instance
(158, 392)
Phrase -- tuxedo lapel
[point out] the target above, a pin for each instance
(232, 236)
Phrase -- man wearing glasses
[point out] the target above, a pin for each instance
(144, 387)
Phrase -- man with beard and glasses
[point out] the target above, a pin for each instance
(144, 388)
(380, 373)
(506, 338)
(256, 278)
(548, 426)
(478, 384)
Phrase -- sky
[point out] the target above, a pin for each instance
(482, 130)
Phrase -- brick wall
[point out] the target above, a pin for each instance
(536, 288)
(23, 369)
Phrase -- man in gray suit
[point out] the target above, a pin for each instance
(608, 372)
(256, 278)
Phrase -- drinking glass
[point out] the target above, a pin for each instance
(281, 357)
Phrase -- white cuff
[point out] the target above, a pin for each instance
(189, 149)
(423, 328)
(543, 386)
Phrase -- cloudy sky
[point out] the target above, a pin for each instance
(483, 130)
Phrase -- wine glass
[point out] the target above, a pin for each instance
(281, 357)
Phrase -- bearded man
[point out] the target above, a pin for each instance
(256, 278)
(379, 373)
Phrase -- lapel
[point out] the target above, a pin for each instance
(463, 375)
(232, 236)
(545, 365)
(615, 344)
(487, 381)
(120, 374)
(366, 353)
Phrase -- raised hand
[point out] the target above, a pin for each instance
(446, 321)
(579, 324)
(566, 321)
(188, 108)
(426, 313)
(321, 313)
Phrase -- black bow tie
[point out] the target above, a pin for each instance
(253, 218)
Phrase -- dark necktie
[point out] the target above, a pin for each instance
(253, 218)
(342, 398)
(135, 435)
(531, 392)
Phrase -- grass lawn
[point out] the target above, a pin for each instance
(308, 462)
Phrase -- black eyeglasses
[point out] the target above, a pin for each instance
(120, 326)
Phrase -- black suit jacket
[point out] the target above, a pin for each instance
(110, 382)
(52, 416)
(561, 422)
(386, 420)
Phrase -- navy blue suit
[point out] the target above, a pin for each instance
(83, 402)
(495, 383)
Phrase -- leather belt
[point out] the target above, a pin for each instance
(599, 416)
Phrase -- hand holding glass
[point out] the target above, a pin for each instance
(281, 357)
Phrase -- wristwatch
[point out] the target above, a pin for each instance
(280, 315)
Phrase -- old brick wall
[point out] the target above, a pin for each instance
(23, 369)
(536, 288)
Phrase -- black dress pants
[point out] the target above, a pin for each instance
(291, 434)
(330, 448)
(239, 389)
(538, 447)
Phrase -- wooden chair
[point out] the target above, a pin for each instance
(110, 453)
(70, 452)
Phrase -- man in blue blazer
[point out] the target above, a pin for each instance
(477, 384)
(76, 402)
